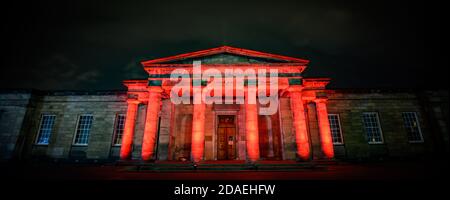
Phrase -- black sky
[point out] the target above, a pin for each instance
(94, 45)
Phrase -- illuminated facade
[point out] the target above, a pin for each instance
(142, 123)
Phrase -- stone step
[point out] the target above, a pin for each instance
(226, 166)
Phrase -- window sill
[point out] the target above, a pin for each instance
(41, 145)
(80, 145)
(376, 143)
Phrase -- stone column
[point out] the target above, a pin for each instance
(299, 121)
(151, 122)
(128, 133)
(313, 130)
(198, 129)
(251, 128)
(324, 127)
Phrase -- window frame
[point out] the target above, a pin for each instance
(379, 127)
(340, 128)
(36, 140)
(114, 136)
(76, 130)
(418, 127)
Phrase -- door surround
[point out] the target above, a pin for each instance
(216, 126)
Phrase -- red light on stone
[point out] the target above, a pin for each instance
(142, 90)
(198, 131)
(151, 124)
(324, 127)
(128, 133)
(251, 126)
(301, 134)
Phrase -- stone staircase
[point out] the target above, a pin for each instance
(220, 166)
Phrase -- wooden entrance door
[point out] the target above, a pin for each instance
(226, 138)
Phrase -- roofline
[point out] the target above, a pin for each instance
(316, 79)
(223, 49)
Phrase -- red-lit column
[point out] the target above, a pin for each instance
(151, 122)
(251, 128)
(324, 127)
(301, 134)
(198, 130)
(128, 132)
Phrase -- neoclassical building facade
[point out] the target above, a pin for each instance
(311, 122)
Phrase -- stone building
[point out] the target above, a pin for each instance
(142, 123)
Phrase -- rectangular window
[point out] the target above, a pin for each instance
(118, 129)
(412, 127)
(45, 129)
(372, 127)
(335, 127)
(83, 130)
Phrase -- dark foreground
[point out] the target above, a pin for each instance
(385, 170)
(404, 178)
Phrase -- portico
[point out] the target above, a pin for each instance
(235, 130)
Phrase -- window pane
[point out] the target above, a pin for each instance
(372, 127)
(118, 129)
(45, 129)
(412, 126)
(83, 129)
(335, 128)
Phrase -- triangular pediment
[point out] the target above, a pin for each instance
(225, 55)
(225, 58)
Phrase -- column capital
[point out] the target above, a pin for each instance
(133, 101)
(156, 89)
(320, 100)
(295, 88)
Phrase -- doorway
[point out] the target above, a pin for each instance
(226, 137)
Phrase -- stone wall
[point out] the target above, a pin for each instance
(430, 106)
(165, 126)
(389, 105)
(20, 113)
(14, 106)
(287, 130)
(435, 108)
(67, 107)
(181, 132)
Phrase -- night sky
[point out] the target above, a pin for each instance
(52, 45)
